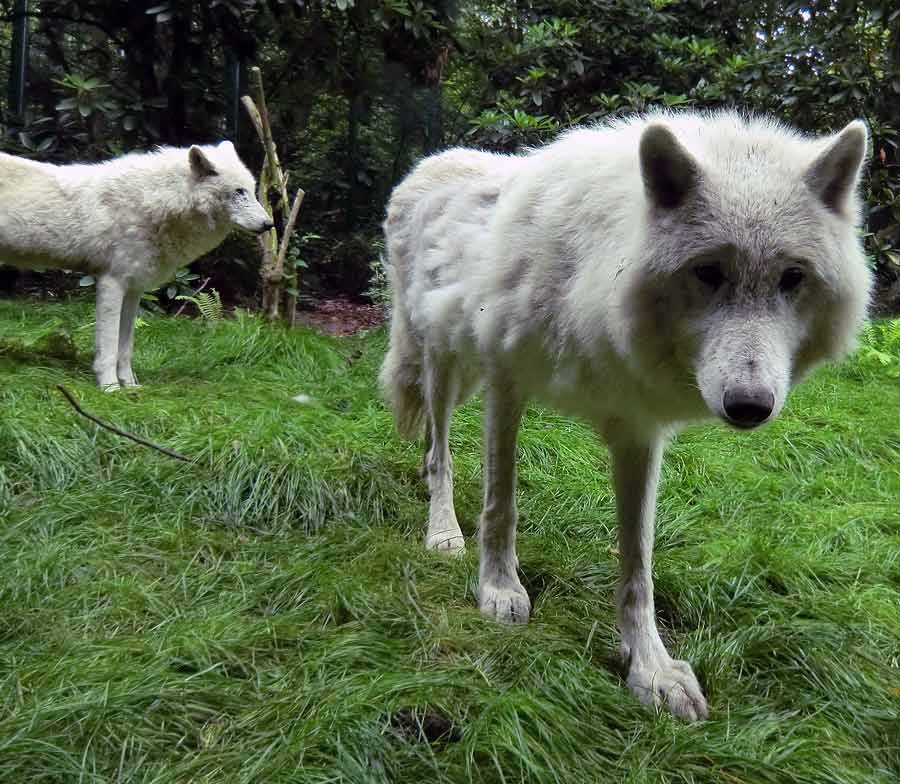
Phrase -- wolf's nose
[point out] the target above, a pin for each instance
(748, 406)
(267, 225)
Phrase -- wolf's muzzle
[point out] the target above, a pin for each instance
(747, 407)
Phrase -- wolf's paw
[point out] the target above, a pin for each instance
(127, 378)
(450, 542)
(671, 685)
(507, 603)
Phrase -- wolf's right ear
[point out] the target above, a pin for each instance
(834, 174)
(201, 165)
(669, 172)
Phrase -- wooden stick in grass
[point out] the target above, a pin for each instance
(124, 433)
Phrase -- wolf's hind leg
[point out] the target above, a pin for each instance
(653, 676)
(500, 592)
(440, 388)
(423, 471)
(126, 339)
(110, 296)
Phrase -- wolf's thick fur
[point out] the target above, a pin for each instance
(131, 222)
(641, 275)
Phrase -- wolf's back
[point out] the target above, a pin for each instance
(25, 177)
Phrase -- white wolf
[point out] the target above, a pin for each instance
(640, 275)
(131, 222)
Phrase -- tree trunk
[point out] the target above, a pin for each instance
(18, 67)
(356, 112)
(176, 116)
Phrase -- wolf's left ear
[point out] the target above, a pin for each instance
(201, 165)
(834, 174)
(669, 171)
(227, 145)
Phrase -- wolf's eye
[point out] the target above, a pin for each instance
(791, 278)
(710, 275)
(240, 192)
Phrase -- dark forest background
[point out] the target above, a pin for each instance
(359, 89)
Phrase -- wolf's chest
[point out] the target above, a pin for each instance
(179, 244)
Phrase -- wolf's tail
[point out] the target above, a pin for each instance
(400, 378)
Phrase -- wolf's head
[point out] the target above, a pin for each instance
(756, 270)
(228, 186)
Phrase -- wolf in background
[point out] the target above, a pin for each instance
(131, 222)
(641, 275)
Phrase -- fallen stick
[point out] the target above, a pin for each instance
(202, 286)
(112, 429)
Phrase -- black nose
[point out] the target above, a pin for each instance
(748, 406)
(266, 226)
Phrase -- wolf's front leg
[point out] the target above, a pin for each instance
(654, 676)
(126, 339)
(500, 592)
(110, 294)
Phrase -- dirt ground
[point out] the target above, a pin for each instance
(341, 317)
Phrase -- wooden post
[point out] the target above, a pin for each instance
(18, 67)
(274, 250)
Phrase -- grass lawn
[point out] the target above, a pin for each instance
(269, 614)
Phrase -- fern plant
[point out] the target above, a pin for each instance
(209, 303)
(379, 291)
(881, 346)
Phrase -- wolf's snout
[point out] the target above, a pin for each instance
(748, 406)
(266, 226)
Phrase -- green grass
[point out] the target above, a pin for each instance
(269, 614)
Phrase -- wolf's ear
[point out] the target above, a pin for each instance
(669, 172)
(201, 165)
(226, 145)
(834, 174)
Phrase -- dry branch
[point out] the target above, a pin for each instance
(290, 297)
(202, 286)
(124, 433)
